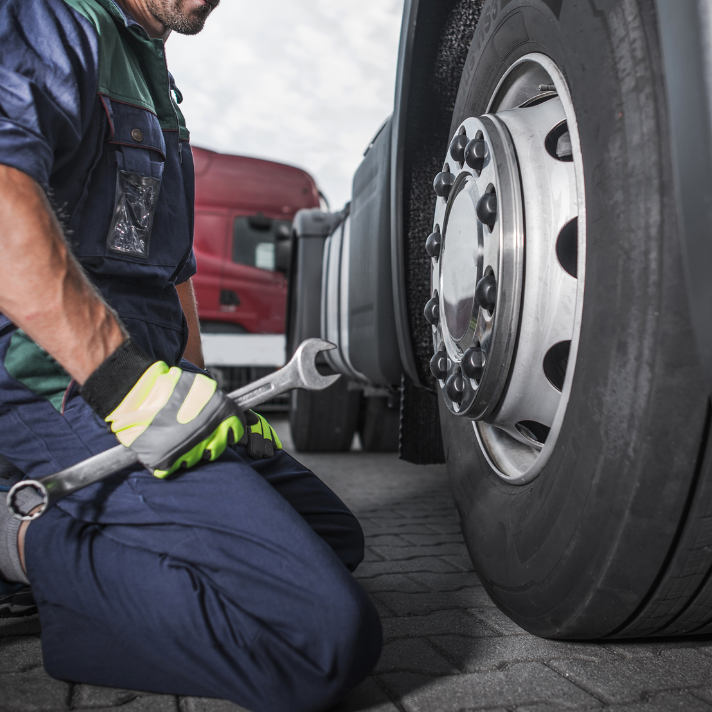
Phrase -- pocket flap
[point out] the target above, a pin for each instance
(133, 126)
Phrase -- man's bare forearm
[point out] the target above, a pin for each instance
(194, 348)
(43, 290)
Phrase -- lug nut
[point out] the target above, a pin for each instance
(439, 365)
(473, 363)
(434, 243)
(455, 388)
(475, 154)
(432, 311)
(443, 184)
(486, 292)
(457, 147)
(487, 209)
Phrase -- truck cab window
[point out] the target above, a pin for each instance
(255, 238)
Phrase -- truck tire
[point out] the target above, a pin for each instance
(321, 421)
(324, 421)
(608, 535)
(379, 425)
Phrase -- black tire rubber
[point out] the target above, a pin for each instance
(324, 421)
(613, 539)
(379, 425)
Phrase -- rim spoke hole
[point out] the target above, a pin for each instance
(555, 364)
(558, 143)
(567, 247)
(531, 430)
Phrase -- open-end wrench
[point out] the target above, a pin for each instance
(300, 372)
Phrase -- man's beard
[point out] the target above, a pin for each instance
(172, 15)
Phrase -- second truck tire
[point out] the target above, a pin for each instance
(324, 421)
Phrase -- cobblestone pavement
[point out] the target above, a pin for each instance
(447, 647)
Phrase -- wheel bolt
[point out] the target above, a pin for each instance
(434, 243)
(443, 184)
(486, 292)
(455, 387)
(487, 209)
(439, 365)
(473, 363)
(457, 147)
(475, 154)
(432, 311)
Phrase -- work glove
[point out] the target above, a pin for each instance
(169, 417)
(260, 438)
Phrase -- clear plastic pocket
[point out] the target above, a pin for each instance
(134, 209)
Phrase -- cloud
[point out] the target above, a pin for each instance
(305, 82)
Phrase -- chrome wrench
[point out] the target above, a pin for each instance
(300, 372)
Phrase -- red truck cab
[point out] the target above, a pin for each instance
(243, 214)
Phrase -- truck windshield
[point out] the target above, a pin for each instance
(254, 240)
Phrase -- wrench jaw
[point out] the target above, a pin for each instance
(14, 507)
(306, 355)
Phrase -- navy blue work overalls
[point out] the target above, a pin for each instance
(232, 579)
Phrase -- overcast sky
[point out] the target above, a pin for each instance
(305, 82)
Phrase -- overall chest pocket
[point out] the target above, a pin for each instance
(140, 159)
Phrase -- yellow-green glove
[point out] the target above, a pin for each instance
(261, 439)
(170, 417)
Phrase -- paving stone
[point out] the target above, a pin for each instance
(383, 612)
(414, 655)
(33, 691)
(705, 694)
(420, 604)
(520, 684)
(447, 528)
(489, 653)
(426, 506)
(371, 555)
(27, 625)
(387, 540)
(147, 703)
(367, 696)
(398, 518)
(429, 539)
(88, 696)
(496, 620)
(20, 654)
(393, 582)
(624, 681)
(665, 702)
(207, 704)
(447, 581)
(462, 561)
(381, 517)
(646, 648)
(553, 707)
(372, 530)
(393, 553)
(438, 623)
(430, 564)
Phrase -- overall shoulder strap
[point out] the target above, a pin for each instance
(121, 76)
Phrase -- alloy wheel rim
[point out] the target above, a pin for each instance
(508, 268)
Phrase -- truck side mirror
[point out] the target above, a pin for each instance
(282, 254)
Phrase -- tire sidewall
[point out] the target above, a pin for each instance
(573, 553)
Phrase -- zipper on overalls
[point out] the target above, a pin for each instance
(180, 150)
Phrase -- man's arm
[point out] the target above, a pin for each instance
(194, 348)
(43, 290)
